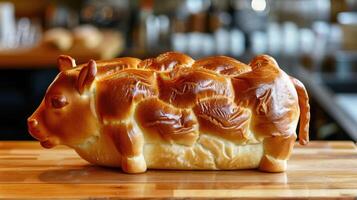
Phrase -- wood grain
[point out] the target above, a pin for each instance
(321, 169)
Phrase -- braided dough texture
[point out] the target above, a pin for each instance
(172, 112)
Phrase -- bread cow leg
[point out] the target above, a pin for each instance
(277, 151)
(129, 141)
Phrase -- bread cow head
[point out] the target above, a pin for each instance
(64, 115)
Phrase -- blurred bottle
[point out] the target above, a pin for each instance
(60, 15)
(250, 15)
(7, 25)
(21, 33)
(141, 27)
(106, 13)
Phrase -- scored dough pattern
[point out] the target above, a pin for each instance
(192, 98)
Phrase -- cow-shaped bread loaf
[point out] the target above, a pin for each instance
(172, 112)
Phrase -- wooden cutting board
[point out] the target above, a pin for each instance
(321, 169)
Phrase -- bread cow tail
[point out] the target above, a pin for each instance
(304, 111)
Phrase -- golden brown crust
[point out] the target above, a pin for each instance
(166, 61)
(160, 120)
(222, 65)
(224, 119)
(215, 113)
(116, 95)
(187, 87)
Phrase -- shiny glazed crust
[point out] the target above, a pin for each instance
(171, 112)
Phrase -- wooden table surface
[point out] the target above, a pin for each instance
(322, 169)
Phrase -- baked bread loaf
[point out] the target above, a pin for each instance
(87, 36)
(172, 112)
(81, 37)
(58, 38)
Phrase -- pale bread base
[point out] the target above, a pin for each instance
(208, 153)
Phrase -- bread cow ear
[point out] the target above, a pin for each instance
(65, 62)
(86, 76)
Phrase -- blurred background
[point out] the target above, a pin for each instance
(313, 40)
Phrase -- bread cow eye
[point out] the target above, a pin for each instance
(58, 101)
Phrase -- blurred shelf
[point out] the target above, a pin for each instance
(327, 98)
(46, 57)
(345, 100)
